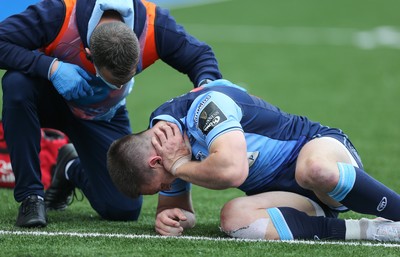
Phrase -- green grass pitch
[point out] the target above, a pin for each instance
(336, 62)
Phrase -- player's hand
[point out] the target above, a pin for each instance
(173, 148)
(71, 81)
(168, 222)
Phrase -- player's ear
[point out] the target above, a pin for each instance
(155, 161)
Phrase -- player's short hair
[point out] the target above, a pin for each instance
(126, 163)
(114, 46)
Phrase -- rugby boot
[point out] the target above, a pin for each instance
(386, 231)
(60, 192)
(32, 213)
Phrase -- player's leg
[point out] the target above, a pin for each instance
(288, 216)
(89, 173)
(22, 131)
(248, 217)
(22, 134)
(326, 167)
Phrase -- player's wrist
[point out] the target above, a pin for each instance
(204, 82)
(53, 68)
(179, 162)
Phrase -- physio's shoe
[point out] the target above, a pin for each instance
(60, 192)
(385, 231)
(32, 213)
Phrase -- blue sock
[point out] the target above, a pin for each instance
(293, 224)
(361, 193)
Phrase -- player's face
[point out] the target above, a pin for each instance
(161, 179)
(160, 182)
(150, 189)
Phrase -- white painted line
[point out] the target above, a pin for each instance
(195, 238)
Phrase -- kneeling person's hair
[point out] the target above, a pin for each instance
(114, 46)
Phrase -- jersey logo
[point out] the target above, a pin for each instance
(210, 117)
(200, 156)
(252, 157)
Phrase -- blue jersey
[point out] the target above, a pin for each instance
(274, 138)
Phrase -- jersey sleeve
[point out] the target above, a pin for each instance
(22, 34)
(213, 114)
(178, 187)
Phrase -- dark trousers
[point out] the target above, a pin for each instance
(31, 103)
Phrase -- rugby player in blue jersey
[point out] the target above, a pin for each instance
(298, 175)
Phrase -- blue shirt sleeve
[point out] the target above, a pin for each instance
(213, 114)
(178, 187)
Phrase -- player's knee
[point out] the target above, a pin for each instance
(17, 88)
(237, 221)
(234, 213)
(315, 172)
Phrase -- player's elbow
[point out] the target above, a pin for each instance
(241, 175)
(236, 175)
